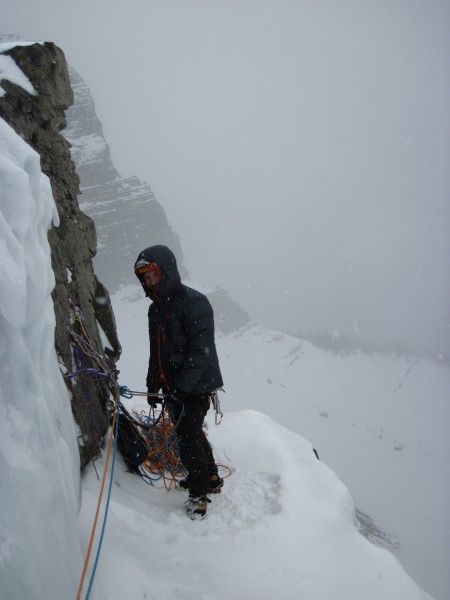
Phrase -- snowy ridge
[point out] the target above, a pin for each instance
(364, 414)
(283, 527)
(380, 421)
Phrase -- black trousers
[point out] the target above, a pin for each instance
(195, 450)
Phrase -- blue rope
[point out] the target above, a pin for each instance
(81, 363)
(93, 372)
(125, 392)
(116, 429)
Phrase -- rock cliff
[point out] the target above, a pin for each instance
(127, 215)
(81, 301)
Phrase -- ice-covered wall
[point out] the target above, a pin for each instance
(40, 555)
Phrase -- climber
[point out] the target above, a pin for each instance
(184, 365)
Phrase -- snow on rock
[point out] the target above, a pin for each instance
(40, 555)
(11, 72)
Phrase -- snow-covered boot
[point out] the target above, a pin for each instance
(196, 507)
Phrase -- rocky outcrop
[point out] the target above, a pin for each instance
(81, 301)
(229, 316)
(127, 215)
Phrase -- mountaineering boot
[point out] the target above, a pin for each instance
(196, 507)
(215, 484)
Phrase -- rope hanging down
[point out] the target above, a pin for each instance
(111, 444)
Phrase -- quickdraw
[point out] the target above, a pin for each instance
(216, 404)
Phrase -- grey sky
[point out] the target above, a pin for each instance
(300, 149)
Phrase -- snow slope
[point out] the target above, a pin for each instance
(282, 527)
(331, 400)
(381, 422)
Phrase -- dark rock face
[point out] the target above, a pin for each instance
(228, 315)
(38, 119)
(127, 215)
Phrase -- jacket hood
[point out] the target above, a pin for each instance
(166, 261)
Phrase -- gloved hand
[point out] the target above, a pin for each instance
(175, 397)
(152, 400)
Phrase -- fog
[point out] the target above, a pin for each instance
(301, 150)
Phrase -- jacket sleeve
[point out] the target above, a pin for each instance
(199, 327)
(153, 378)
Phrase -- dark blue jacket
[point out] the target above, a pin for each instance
(183, 352)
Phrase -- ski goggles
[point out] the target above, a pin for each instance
(144, 267)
